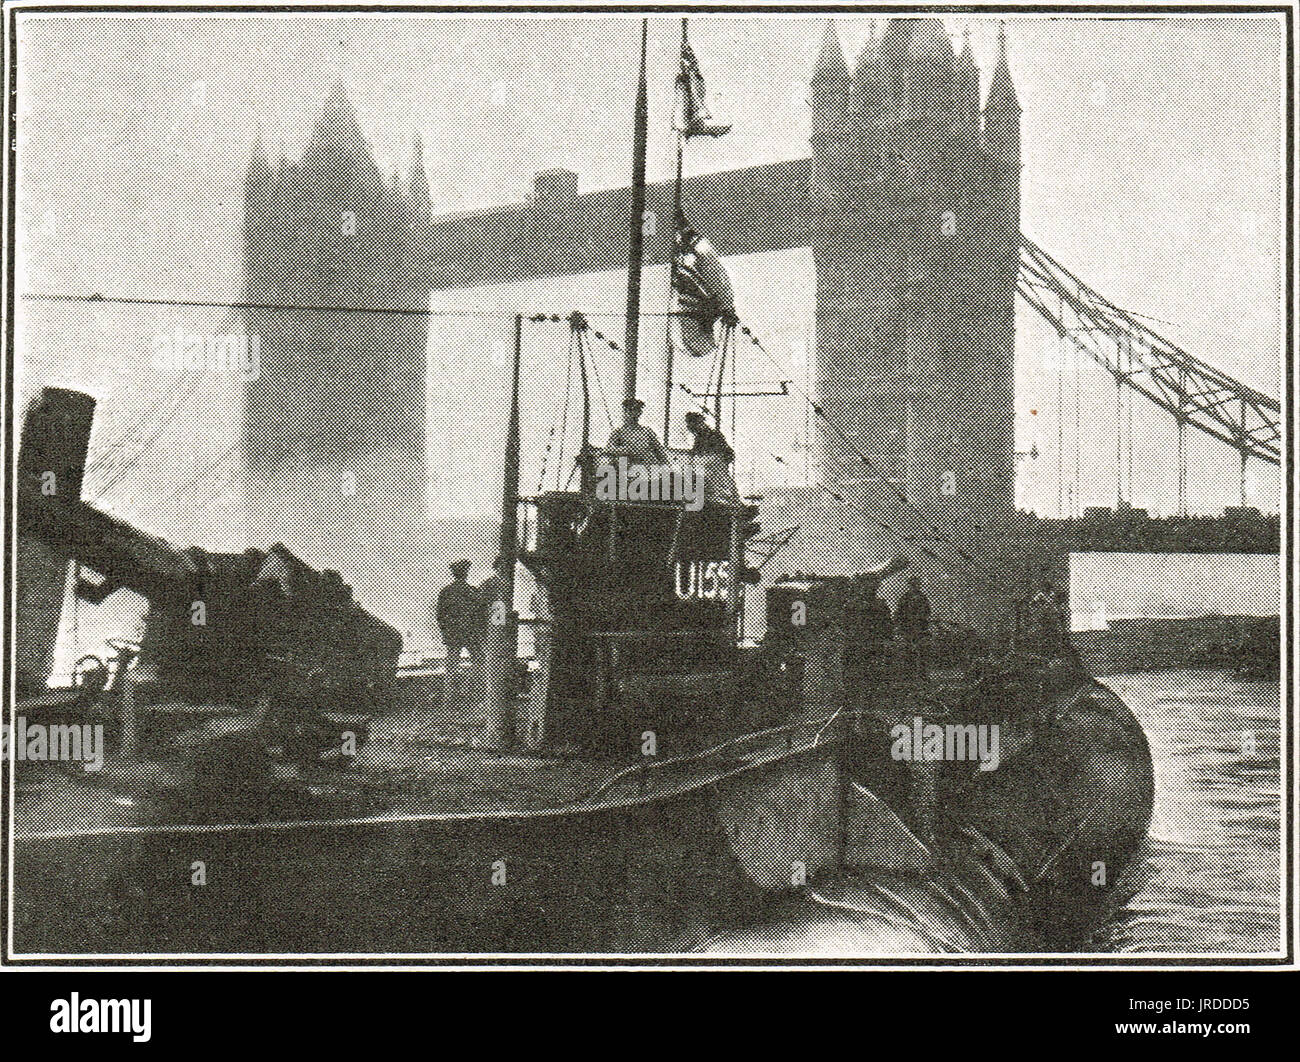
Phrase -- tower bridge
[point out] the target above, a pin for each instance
(909, 201)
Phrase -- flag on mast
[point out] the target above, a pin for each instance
(704, 293)
(694, 118)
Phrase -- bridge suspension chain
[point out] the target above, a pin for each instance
(1192, 390)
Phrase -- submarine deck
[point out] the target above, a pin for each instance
(215, 767)
(409, 766)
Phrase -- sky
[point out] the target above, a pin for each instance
(1151, 151)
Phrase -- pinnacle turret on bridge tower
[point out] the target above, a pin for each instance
(829, 98)
(417, 185)
(968, 92)
(1002, 144)
(1002, 110)
(830, 79)
(912, 211)
(920, 81)
(259, 166)
(868, 97)
(334, 423)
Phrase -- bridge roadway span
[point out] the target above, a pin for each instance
(747, 211)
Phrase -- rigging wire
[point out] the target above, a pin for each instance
(560, 425)
(600, 390)
(1119, 440)
(113, 446)
(575, 344)
(716, 360)
(201, 473)
(550, 441)
(1060, 419)
(219, 304)
(729, 339)
(1128, 343)
(289, 307)
(149, 442)
(1078, 429)
(969, 562)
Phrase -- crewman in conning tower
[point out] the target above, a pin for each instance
(1047, 625)
(634, 439)
(713, 456)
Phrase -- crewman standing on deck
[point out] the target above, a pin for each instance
(492, 592)
(868, 632)
(914, 625)
(499, 674)
(460, 616)
(1047, 624)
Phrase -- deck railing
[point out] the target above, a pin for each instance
(731, 747)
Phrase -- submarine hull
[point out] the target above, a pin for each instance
(653, 873)
(1031, 861)
(1034, 859)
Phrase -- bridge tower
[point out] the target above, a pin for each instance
(334, 426)
(915, 226)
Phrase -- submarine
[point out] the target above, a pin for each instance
(644, 780)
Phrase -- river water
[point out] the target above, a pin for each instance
(1211, 878)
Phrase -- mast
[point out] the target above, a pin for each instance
(672, 251)
(510, 482)
(636, 234)
(501, 640)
